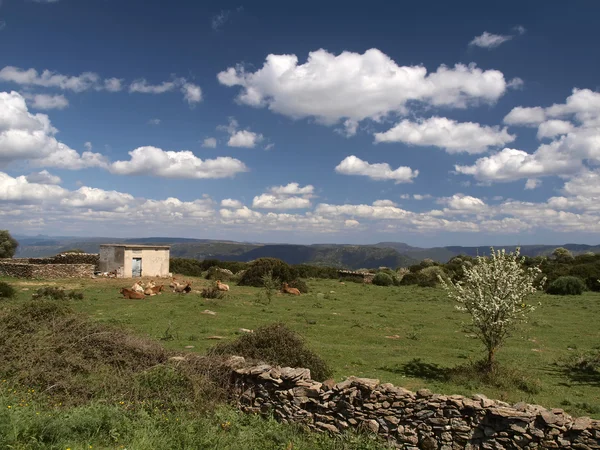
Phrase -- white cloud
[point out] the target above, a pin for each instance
(525, 116)
(292, 189)
(98, 199)
(351, 223)
(533, 183)
(586, 183)
(421, 196)
(142, 86)
(269, 201)
(88, 146)
(154, 161)
(31, 77)
(44, 101)
(290, 196)
(25, 136)
(448, 134)
(357, 86)
(489, 40)
(269, 146)
(209, 143)
(43, 177)
(352, 165)
(218, 20)
(516, 83)
(154, 122)
(191, 93)
(511, 164)
(464, 203)
(20, 189)
(350, 127)
(113, 84)
(244, 138)
(384, 203)
(230, 203)
(553, 128)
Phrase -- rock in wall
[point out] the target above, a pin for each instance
(406, 419)
(26, 270)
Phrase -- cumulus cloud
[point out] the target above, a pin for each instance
(463, 203)
(154, 122)
(353, 165)
(290, 196)
(113, 84)
(422, 196)
(490, 40)
(26, 136)
(553, 128)
(44, 101)
(574, 130)
(31, 77)
(533, 183)
(191, 93)
(384, 203)
(88, 146)
(452, 136)
(586, 183)
(209, 143)
(240, 138)
(141, 86)
(154, 161)
(43, 177)
(357, 86)
(244, 138)
(231, 203)
(20, 189)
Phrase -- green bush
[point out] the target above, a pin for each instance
(261, 267)
(310, 271)
(420, 279)
(6, 290)
(217, 273)
(352, 279)
(53, 293)
(276, 344)
(383, 279)
(186, 266)
(212, 292)
(300, 285)
(566, 285)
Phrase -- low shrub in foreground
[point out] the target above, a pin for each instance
(300, 285)
(6, 290)
(217, 273)
(566, 285)
(383, 279)
(276, 344)
(53, 293)
(212, 292)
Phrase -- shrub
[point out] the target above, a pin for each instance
(352, 279)
(261, 267)
(430, 276)
(53, 293)
(212, 292)
(216, 273)
(276, 344)
(567, 285)
(300, 285)
(186, 266)
(310, 271)
(6, 290)
(494, 292)
(8, 245)
(382, 279)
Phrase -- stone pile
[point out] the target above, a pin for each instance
(406, 419)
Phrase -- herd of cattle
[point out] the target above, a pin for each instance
(140, 291)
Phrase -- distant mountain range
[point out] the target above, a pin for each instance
(388, 254)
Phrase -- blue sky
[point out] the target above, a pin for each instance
(433, 124)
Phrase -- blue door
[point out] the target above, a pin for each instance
(136, 267)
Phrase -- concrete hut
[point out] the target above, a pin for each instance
(132, 260)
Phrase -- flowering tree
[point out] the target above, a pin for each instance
(493, 292)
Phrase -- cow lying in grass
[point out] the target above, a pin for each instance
(131, 294)
(221, 286)
(289, 290)
(137, 287)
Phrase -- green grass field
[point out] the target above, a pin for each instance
(403, 335)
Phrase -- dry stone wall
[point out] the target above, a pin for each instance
(27, 270)
(406, 419)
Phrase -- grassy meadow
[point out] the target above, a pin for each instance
(409, 336)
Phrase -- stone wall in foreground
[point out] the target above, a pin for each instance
(26, 270)
(408, 420)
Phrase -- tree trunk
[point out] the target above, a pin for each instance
(491, 359)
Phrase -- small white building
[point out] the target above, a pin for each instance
(132, 260)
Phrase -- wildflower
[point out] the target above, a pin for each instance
(9, 406)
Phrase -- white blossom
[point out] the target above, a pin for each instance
(494, 292)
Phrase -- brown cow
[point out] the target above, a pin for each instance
(128, 293)
(221, 286)
(157, 289)
(289, 290)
